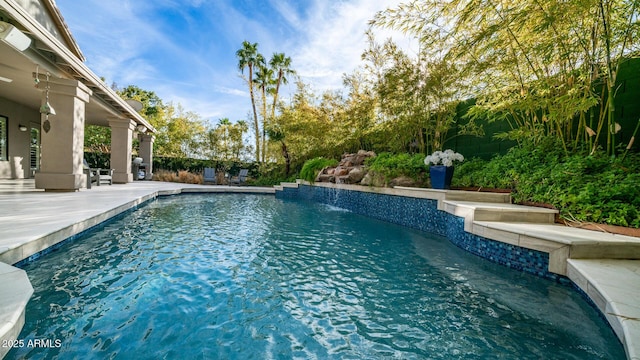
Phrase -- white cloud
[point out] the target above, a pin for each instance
(333, 39)
(231, 91)
(185, 50)
(287, 11)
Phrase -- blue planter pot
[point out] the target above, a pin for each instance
(441, 176)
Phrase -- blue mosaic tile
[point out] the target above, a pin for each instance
(423, 214)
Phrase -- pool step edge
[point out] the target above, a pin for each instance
(14, 296)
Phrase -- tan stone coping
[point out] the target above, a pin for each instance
(422, 193)
(614, 286)
(12, 304)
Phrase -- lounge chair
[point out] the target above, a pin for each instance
(97, 175)
(92, 175)
(210, 176)
(241, 178)
(106, 176)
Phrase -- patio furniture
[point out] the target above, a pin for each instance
(241, 178)
(92, 175)
(105, 176)
(209, 176)
(97, 175)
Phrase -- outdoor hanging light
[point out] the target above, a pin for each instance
(46, 108)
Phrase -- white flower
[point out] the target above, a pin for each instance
(445, 158)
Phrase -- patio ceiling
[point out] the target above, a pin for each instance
(49, 55)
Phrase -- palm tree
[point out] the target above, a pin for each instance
(264, 80)
(223, 126)
(248, 57)
(281, 65)
(237, 131)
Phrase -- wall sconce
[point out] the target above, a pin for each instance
(13, 36)
(22, 128)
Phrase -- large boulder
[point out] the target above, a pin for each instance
(361, 156)
(402, 181)
(355, 175)
(341, 171)
(350, 170)
(373, 179)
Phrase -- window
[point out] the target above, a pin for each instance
(4, 139)
(34, 150)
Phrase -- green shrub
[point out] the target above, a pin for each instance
(470, 173)
(395, 165)
(583, 187)
(312, 167)
(271, 179)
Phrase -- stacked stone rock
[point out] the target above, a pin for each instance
(350, 170)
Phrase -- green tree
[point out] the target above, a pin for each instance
(415, 97)
(303, 129)
(278, 135)
(186, 133)
(281, 65)
(533, 63)
(264, 81)
(249, 58)
(225, 141)
(236, 142)
(97, 139)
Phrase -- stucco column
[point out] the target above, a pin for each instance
(146, 153)
(62, 137)
(121, 143)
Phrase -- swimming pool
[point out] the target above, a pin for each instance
(250, 276)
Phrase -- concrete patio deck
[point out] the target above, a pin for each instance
(604, 266)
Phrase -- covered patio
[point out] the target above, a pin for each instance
(47, 97)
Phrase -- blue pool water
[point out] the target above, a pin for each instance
(253, 277)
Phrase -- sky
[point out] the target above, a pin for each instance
(184, 50)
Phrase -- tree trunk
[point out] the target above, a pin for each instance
(264, 124)
(256, 125)
(287, 159)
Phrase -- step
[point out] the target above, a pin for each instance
(458, 195)
(614, 287)
(14, 296)
(480, 211)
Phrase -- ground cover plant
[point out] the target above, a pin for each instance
(395, 165)
(583, 187)
(312, 167)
